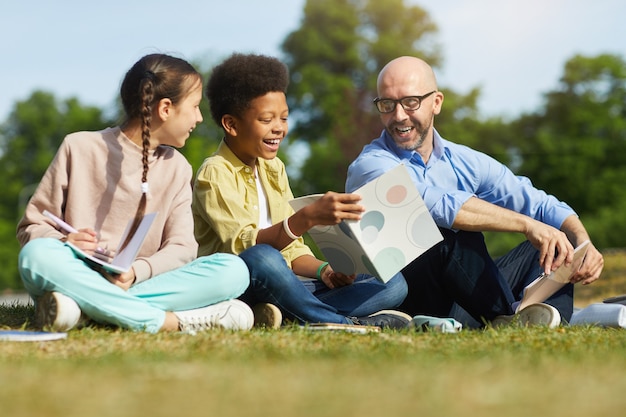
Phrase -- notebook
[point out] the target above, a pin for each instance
(123, 259)
(349, 328)
(545, 285)
(28, 336)
(395, 229)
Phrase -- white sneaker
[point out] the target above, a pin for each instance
(232, 314)
(57, 312)
(539, 314)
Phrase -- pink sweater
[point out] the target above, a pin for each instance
(95, 181)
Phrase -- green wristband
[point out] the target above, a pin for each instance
(319, 270)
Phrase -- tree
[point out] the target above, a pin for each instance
(28, 142)
(30, 137)
(334, 58)
(575, 147)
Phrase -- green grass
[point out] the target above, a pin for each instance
(570, 371)
(97, 372)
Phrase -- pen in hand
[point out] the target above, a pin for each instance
(69, 229)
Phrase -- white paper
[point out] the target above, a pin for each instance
(123, 259)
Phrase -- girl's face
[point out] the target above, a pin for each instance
(182, 118)
(260, 129)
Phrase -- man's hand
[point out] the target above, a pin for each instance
(591, 268)
(554, 247)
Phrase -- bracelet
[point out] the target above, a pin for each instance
(321, 269)
(288, 230)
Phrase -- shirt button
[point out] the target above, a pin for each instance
(256, 207)
(247, 169)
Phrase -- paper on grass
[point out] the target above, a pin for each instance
(30, 336)
(123, 259)
(394, 230)
(544, 286)
(349, 328)
(601, 314)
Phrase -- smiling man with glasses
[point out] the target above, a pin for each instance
(468, 192)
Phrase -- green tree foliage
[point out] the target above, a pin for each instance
(30, 137)
(575, 147)
(28, 142)
(334, 58)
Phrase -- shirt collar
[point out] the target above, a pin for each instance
(225, 152)
(438, 145)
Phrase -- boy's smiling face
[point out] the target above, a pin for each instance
(258, 132)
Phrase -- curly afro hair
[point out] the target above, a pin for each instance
(241, 78)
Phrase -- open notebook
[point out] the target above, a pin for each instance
(395, 229)
(123, 259)
(545, 285)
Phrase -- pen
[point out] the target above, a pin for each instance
(69, 229)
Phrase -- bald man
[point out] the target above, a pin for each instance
(467, 193)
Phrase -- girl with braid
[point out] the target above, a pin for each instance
(97, 182)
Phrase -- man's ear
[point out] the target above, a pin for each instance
(229, 123)
(164, 108)
(437, 102)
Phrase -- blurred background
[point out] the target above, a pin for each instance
(540, 86)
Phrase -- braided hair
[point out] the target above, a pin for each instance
(151, 79)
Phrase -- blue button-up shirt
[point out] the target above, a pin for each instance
(454, 173)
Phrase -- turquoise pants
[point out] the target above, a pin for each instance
(47, 264)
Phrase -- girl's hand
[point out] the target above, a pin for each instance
(85, 239)
(124, 281)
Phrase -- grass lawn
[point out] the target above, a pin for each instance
(571, 371)
(513, 371)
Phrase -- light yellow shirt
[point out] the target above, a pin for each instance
(225, 204)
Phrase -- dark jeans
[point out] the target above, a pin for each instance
(458, 278)
(521, 266)
(272, 281)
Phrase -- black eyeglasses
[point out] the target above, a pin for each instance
(410, 103)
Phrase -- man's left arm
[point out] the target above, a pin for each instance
(594, 261)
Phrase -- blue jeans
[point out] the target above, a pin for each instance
(458, 278)
(49, 265)
(272, 281)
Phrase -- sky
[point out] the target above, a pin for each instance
(514, 50)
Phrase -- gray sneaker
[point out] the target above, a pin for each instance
(267, 315)
(539, 314)
(232, 314)
(389, 319)
(56, 312)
